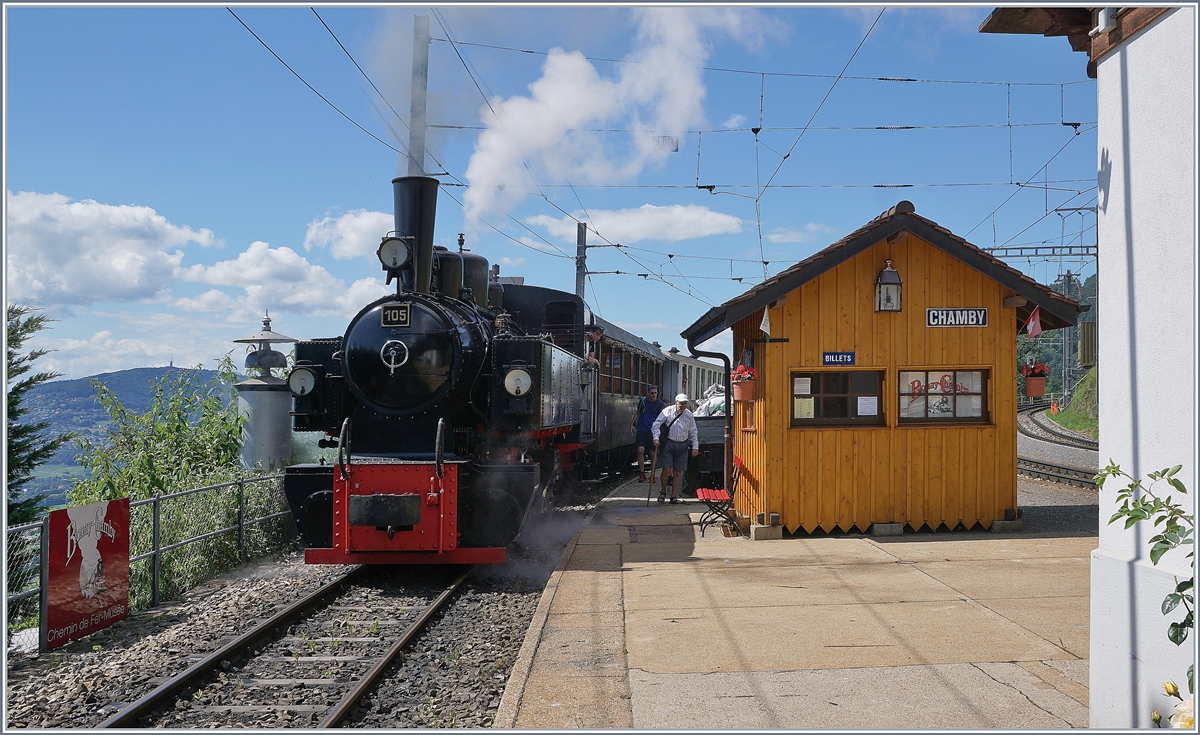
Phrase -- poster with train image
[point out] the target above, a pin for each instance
(87, 585)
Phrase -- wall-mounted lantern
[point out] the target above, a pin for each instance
(887, 288)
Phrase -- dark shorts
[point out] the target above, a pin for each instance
(674, 455)
(644, 440)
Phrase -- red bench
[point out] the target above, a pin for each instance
(720, 502)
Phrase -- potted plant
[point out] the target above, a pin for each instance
(1035, 374)
(743, 378)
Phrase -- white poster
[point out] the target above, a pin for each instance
(801, 386)
(868, 406)
(803, 407)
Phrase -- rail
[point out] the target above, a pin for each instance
(1078, 476)
(27, 544)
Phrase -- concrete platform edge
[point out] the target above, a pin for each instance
(514, 690)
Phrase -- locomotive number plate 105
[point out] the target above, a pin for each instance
(395, 315)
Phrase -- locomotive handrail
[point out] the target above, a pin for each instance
(439, 450)
(344, 445)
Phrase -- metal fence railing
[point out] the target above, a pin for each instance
(175, 541)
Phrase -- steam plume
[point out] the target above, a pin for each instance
(661, 92)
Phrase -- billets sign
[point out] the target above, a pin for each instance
(837, 358)
(87, 579)
(956, 317)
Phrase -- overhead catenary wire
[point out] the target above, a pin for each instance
(559, 254)
(814, 128)
(825, 98)
(1040, 169)
(311, 87)
(382, 97)
(533, 178)
(809, 186)
(906, 80)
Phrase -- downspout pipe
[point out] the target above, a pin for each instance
(728, 405)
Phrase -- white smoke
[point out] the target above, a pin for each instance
(659, 92)
(673, 222)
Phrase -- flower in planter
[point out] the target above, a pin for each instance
(742, 373)
(1038, 369)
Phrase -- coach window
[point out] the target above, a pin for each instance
(943, 396)
(852, 398)
(605, 358)
(627, 373)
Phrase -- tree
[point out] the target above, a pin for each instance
(188, 437)
(28, 446)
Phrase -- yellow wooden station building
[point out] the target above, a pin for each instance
(887, 381)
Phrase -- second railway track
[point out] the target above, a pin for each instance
(1047, 470)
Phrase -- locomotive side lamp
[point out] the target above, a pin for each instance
(517, 382)
(887, 288)
(301, 381)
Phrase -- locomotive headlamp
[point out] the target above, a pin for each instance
(517, 382)
(302, 381)
(393, 252)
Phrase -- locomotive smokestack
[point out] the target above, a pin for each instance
(415, 210)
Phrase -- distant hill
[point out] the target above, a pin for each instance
(71, 405)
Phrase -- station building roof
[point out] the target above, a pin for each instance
(1057, 311)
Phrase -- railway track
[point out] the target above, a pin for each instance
(1048, 433)
(349, 634)
(1078, 476)
(1041, 469)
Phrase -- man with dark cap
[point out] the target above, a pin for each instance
(591, 339)
(647, 410)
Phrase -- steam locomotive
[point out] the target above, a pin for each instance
(458, 406)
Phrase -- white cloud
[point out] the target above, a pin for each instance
(661, 92)
(211, 300)
(103, 352)
(512, 262)
(648, 222)
(808, 232)
(355, 233)
(734, 121)
(63, 252)
(281, 279)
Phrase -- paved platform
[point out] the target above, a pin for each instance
(647, 625)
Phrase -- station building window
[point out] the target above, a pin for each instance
(843, 398)
(939, 396)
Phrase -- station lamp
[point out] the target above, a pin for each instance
(887, 288)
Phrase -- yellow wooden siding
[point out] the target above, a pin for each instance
(832, 477)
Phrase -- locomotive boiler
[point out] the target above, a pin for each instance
(454, 420)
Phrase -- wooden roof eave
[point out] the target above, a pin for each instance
(1056, 312)
(720, 318)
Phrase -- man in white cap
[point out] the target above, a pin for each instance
(680, 433)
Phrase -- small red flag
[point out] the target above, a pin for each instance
(1034, 325)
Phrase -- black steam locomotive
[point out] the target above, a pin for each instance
(458, 405)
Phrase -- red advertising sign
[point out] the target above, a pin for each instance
(88, 575)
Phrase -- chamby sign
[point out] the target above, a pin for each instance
(87, 579)
(956, 317)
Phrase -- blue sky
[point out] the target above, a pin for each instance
(167, 178)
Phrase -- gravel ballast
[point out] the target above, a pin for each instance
(453, 675)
